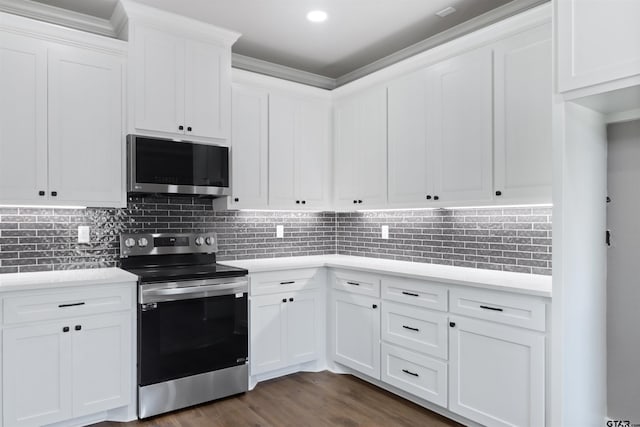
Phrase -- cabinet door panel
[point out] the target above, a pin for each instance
(371, 155)
(523, 88)
(461, 127)
(268, 332)
(497, 373)
(356, 333)
(85, 127)
(36, 375)
(207, 98)
(23, 119)
(159, 66)
(249, 148)
(282, 150)
(101, 363)
(346, 153)
(408, 168)
(302, 327)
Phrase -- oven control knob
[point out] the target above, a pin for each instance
(130, 242)
(199, 240)
(209, 241)
(143, 242)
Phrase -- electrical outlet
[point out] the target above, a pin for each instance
(84, 234)
(280, 231)
(385, 231)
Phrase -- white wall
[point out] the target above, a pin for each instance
(579, 272)
(623, 272)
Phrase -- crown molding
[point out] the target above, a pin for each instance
(58, 16)
(258, 66)
(498, 14)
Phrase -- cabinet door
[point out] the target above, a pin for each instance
(346, 161)
(283, 113)
(523, 88)
(159, 68)
(302, 327)
(312, 154)
(496, 373)
(371, 155)
(207, 83)
(598, 41)
(37, 376)
(85, 127)
(356, 332)
(461, 127)
(408, 156)
(23, 119)
(249, 148)
(268, 332)
(101, 358)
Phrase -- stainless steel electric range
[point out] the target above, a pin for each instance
(192, 321)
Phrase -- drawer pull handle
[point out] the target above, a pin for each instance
(411, 294)
(410, 328)
(353, 283)
(291, 282)
(70, 305)
(410, 373)
(486, 307)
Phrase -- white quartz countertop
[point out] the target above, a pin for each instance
(64, 278)
(529, 284)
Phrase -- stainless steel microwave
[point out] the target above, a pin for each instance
(156, 165)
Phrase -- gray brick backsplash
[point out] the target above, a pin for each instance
(509, 239)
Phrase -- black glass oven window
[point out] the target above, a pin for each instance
(181, 163)
(189, 337)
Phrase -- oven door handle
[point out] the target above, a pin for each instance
(192, 292)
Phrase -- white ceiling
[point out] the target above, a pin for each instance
(357, 33)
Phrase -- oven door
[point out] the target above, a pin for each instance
(189, 328)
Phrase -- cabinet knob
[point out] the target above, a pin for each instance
(428, 197)
(498, 193)
(236, 199)
(54, 193)
(304, 202)
(374, 306)
(189, 129)
(360, 201)
(78, 327)
(290, 299)
(180, 127)
(355, 201)
(284, 300)
(41, 193)
(452, 324)
(297, 202)
(65, 329)
(436, 198)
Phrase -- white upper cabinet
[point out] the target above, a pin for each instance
(181, 80)
(61, 117)
(249, 148)
(23, 119)
(298, 152)
(598, 41)
(460, 112)
(85, 127)
(360, 141)
(409, 171)
(523, 88)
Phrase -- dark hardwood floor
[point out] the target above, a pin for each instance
(300, 400)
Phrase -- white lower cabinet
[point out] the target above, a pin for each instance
(496, 373)
(284, 330)
(418, 374)
(66, 369)
(356, 332)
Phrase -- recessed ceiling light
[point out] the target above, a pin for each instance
(317, 16)
(446, 11)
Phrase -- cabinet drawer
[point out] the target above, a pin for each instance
(284, 281)
(513, 310)
(415, 328)
(58, 304)
(415, 292)
(357, 283)
(419, 375)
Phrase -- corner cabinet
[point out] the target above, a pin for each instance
(64, 102)
(181, 85)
